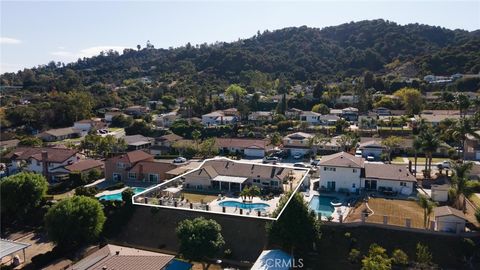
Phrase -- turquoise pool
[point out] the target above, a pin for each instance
(246, 206)
(118, 196)
(322, 205)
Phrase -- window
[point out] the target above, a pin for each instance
(329, 169)
(354, 170)
(38, 163)
(120, 165)
(132, 175)
(403, 184)
(274, 183)
(256, 181)
(353, 185)
(153, 177)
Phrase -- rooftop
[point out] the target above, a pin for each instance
(342, 159)
(388, 172)
(447, 211)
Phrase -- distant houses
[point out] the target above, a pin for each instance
(221, 117)
(246, 147)
(59, 134)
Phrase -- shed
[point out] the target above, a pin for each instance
(440, 192)
(448, 219)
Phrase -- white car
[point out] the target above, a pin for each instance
(180, 160)
(446, 164)
(358, 153)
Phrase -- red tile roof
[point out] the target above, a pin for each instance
(54, 154)
(84, 165)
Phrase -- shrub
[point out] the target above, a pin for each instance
(424, 257)
(86, 191)
(399, 257)
(354, 255)
(115, 186)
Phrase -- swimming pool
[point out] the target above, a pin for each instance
(118, 196)
(246, 206)
(322, 205)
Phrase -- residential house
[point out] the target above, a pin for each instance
(221, 117)
(472, 147)
(109, 115)
(260, 116)
(381, 111)
(297, 143)
(372, 148)
(434, 117)
(85, 126)
(166, 120)
(42, 160)
(396, 178)
(86, 165)
(440, 192)
(137, 142)
(136, 166)
(59, 134)
(340, 172)
(328, 119)
(448, 219)
(347, 99)
(227, 175)
(163, 144)
(5, 145)
(247, 147)
(310, 117)
(293, 113)
(137, 110)
(345, 172)
(367, 122)
(350, 114)
(120, 257)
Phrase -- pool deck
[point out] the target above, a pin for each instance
(110, 192)
(338, 211)
(273, 204)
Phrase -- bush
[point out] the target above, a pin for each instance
(115, 186)
(354, 255)
(399, 257)
(86, 191)
(94, 175)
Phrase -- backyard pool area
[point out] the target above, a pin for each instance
(323, 205)
(246, 206)
(117, 196)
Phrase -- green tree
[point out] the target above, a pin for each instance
(430, 144)
(411, 98)
(321, 108)
(21, 193)
(423, 256)
(208, 148)
(377, 259)
(31, 141)
(391, 143)
(74, 221)
(200, 239)
(460, 182)
(463, 129)
(236, 92)
(417, 148)
(196, 134)
(297, 228)
(346, 142)
(121, 121)
(127, 195)
(275, 139)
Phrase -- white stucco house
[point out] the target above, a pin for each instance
(297, 143)
(371, 148)
(347, 173)
(225, 117)
(311, 118)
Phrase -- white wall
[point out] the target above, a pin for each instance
(394, 185)
(82, 126)
(439, 195)
(449, 223)
(343, 177)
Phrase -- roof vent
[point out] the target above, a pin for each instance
(117, 252)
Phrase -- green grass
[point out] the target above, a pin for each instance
(475, 199)
(112, 129)
(394, 128)
(420, 160)
(197, 198)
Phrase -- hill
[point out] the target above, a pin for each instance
(296, 54)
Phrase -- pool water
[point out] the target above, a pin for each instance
(118, 196)
(322, 205)
(246, 206)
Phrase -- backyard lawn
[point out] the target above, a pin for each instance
(420, 160)
(197, 198)
(396, 210)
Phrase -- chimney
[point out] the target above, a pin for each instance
(45, 164)
(140, 171)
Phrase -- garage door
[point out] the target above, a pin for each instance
(254, 152)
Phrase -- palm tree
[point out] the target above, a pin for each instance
(462, 130)
(427, 206)
(317, 139)
(430, 144)
(460, 181)
(417, 147)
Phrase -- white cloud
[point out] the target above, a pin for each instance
(68, 56)
(8, 40)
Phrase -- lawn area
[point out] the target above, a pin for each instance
(475, 199)
(420, 160)
(197, 198)
(396, 210)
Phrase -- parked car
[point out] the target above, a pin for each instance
(446, 164)
(300, 165)
(270, 159)
(280, 154)
(358, 153)
(370, 158)
(297, 156)
(315, 162)
(180, 160)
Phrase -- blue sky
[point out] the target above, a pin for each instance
(34, 33)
